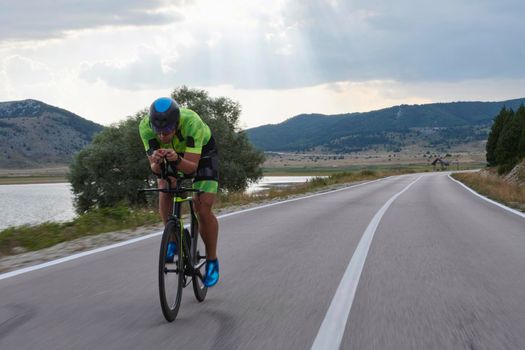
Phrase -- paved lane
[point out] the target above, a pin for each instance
(280, 268)
(446, 271)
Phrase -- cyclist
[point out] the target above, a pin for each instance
(181, 137)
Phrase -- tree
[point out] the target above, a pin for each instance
(111, 168)
(114, 165)
(239, 161)
(521, 145)
(499, 121)
(508, 141)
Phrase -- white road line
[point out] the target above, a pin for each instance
(332, 329)
(75, 256)
(514, 211)
(134, 240)
(300, 198)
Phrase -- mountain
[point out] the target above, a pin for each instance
(34, 134)
(437, 125)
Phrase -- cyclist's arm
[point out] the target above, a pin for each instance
(155, 158)
(194, 140)
(151, 145)
(187, 164)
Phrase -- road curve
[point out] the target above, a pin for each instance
(444, 270)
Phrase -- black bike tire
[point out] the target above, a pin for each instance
(170, 312)
(199, 289)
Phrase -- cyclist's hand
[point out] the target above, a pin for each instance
(157, 156)
(171, 155)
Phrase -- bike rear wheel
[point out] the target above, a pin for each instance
(198, 261)
(171, 272)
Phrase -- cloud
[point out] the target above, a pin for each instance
(311, 42)
(149, 69)
(228, 56)
(43, 19)
(405, 40)
(290, 43)
(20, 73)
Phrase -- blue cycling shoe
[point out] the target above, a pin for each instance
(212, 273)
(171, 251)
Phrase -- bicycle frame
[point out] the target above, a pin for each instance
(176, 215)
(189, 261)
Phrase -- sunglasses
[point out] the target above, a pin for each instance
(165, 130)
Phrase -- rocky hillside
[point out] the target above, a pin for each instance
(34, 134)
(517, 174)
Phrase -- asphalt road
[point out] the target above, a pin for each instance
(444, 270)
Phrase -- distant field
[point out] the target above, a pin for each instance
(314, 171)
(19, 180)
(324, 164)
(330, 163)
(50, 171)
(33, 176)
(289, 164)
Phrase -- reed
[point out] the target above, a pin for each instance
(495, 187)
(28, 238)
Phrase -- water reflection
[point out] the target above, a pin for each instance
(37, 203)
(268, 182)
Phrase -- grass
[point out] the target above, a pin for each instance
(316, 183)
(30, 238)
(494, 187)
(318, 171)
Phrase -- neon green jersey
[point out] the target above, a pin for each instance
(192, 133)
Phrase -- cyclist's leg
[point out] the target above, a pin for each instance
(209, 227)
(206, 180)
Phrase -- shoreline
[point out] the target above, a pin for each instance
(56, 174)
(32, 180)
(59, 175)
(24, 259)
(27, 258)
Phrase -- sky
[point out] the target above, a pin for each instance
(107, 59)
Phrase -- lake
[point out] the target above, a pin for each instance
(37, 203)
(276, 181)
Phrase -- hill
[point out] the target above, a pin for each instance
(437, 126)
(34, 134)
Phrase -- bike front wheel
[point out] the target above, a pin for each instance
(199, 262)
(171, 271)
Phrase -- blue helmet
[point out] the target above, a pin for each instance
(164, 115)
